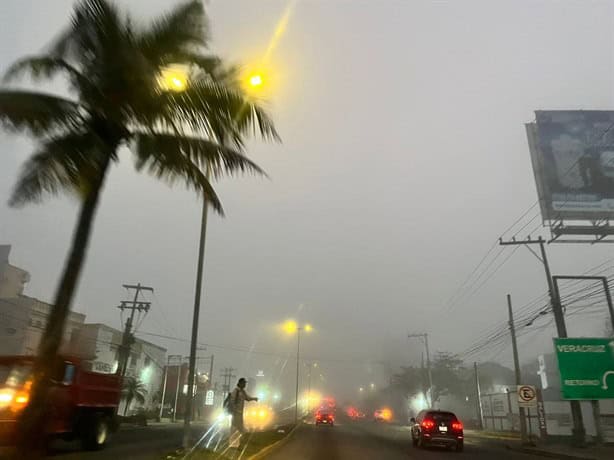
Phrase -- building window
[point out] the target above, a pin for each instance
(147, 361)
(133, 359)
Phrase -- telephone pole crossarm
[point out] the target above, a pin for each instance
(128, 335)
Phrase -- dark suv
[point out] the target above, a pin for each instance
(437, 428)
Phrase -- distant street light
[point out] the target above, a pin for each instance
(291, 327)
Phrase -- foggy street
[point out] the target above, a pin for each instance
(306, 229)
(368, 441)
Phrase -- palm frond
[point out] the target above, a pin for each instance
(66, 163)
(45, 67)
(219, 160)
(185, 27)
(214, 109)
(171, 165)
(208, 64)
(96, 29)
(37, 112)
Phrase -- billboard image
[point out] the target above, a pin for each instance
(572, 152)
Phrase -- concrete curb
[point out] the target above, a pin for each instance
(546, 453)
(273, 447)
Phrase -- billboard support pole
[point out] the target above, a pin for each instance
(578, 431)
(597, 418)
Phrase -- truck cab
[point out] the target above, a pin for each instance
(81, 404)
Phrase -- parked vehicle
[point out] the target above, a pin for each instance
(434, 427)
(81, 404)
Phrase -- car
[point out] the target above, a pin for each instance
(382, 415)
(437, 428)
(325, 418)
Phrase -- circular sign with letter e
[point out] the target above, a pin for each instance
(527, 396)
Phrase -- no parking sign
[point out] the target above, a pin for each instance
(527, 396)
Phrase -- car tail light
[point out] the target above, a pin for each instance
(457, 426)
(428, 424)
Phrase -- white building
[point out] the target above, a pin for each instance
(100, 344)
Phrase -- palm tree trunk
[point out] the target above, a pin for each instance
(128, 402)
(31, 442)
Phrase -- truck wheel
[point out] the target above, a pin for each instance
(96, 432)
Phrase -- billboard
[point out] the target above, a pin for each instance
(572, 152)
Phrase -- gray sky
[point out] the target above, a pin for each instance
(404, 157)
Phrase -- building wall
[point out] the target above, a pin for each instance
(12, 279)
(22, 323)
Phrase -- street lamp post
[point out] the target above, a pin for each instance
(290, 327)
(255, 81)
(197, 294)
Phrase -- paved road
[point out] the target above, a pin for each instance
(129, 443)
(369, 441)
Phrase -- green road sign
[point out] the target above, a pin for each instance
(586, 366)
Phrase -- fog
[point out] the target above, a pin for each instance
(404, 158)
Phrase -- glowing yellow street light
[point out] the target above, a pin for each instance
(290, 326)
(256, 80)
(173, 78)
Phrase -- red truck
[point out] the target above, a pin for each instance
(81, 404)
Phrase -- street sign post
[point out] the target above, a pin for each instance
(527, 396)
(586, 366)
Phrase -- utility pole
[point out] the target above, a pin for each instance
(523, 421)
(128, 336)
(425, 338)
(478, 397)
(578, 431)
(211, 371)
(179, 366)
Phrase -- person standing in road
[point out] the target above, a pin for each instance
(237, 404)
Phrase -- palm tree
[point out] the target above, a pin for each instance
(133, 389)
(116, 104)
